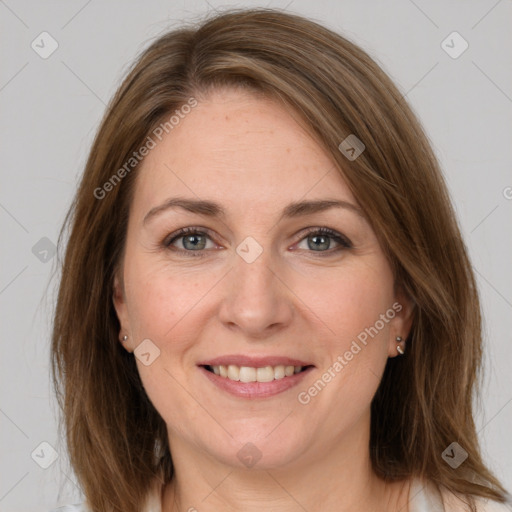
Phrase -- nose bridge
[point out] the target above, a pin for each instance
(254, 276)
(255, 299)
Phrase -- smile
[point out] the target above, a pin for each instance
(252, 374)
(249, 377)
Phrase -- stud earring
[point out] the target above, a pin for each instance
(124, 338)
(399, 349)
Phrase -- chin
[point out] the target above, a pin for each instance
(257, 448)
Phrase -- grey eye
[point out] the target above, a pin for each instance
(194, 242)
(318, 242)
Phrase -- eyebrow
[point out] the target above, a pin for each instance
(212, 209)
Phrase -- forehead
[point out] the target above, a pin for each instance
(241, 149)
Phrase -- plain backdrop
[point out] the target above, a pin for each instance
(51, 108)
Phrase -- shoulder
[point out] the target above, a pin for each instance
(453, 504)
(426, 497)
(153, 503)
(483, 505)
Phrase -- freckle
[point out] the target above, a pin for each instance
(287, 150)
(227, 118)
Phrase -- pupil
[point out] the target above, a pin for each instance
(193, 240)
(324, 244)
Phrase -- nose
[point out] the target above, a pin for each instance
(256, 300)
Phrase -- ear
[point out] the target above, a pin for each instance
(401, 324)
(119, 301)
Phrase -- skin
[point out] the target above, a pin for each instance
(251, 156)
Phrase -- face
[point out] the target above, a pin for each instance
(278, 280)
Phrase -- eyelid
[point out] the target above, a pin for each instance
(339, 238)
(170, 238)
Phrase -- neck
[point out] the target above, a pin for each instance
(338, 478)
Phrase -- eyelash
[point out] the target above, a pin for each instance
(344, 243)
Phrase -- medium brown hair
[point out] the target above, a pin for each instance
(116, 439)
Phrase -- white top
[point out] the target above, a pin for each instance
(425, 497)
(422, 498)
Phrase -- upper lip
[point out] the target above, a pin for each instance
(253, 362)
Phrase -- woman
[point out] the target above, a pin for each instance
(265, 301)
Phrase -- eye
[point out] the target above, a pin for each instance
(321, 240)
(189, 240)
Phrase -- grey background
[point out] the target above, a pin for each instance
(52, 107)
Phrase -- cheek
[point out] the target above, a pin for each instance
(160, 298)
(352, 300)
(355, 308)
(360, 312)
(162, 306)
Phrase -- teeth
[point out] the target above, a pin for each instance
(250, 374)
(279, 372)
(247, 374)
(265, 374)
(233, 372)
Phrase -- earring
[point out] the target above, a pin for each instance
(124, 338)
(399, 349)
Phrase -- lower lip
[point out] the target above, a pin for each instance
(255, 389)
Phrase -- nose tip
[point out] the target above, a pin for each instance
(255, 300)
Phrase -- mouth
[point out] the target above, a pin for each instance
(246, 377)
(255, 374)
